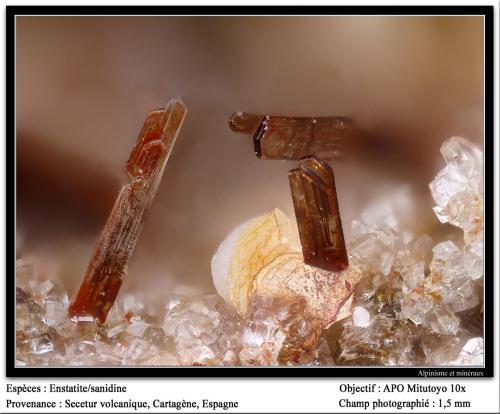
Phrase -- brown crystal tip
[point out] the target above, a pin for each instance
(108, 264)
(314, 196)
(293, 138)
(157, 137)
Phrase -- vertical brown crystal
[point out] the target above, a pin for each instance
(109, 261)
(293, 138)
(318, 218)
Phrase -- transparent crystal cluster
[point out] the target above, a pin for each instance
(194, 331)
(279, 332)
(472, 353)
(418, 303)
(458, 193)
(179, 330)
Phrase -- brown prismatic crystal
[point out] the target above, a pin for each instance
(293, 138)
(108, 264)
(318, 218)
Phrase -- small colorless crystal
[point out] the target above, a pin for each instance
(360, 317)
(458, 193)
(472, 353)
(374, 247)
(458, 188)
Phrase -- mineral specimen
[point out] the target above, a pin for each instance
(458, 188)
(246, 250)
(293, 138)
(423, 301)
(108, 264)
(318, 217)
(204, 331)
(259, 261)
(472, 353)
(189, 330)
(458, 193)
(278, 331)
(417, 302)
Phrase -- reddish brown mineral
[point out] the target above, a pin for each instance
(108, 264)
(318, 218)
(293, 138)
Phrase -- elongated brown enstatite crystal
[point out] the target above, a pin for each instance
(293, 138)
(318, 218)
(108, 264)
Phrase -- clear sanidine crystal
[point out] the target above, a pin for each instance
(204, 331)
(108, 264)
(360, 317)
(458, 188)
(458, 193)
(424, 301)
(279, 332)
(375, 248)
(472, 353)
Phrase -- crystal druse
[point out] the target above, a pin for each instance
(416, 302)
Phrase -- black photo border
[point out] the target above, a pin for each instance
(343, 371)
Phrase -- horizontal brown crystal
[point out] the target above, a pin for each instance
(318, 217)
(293, 138)
(109, 261)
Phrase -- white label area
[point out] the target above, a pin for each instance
(238, 395)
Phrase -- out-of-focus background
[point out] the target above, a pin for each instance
(84, 86)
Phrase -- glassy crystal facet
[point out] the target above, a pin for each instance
(108, 264)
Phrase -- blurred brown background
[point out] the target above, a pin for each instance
(85, 84)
